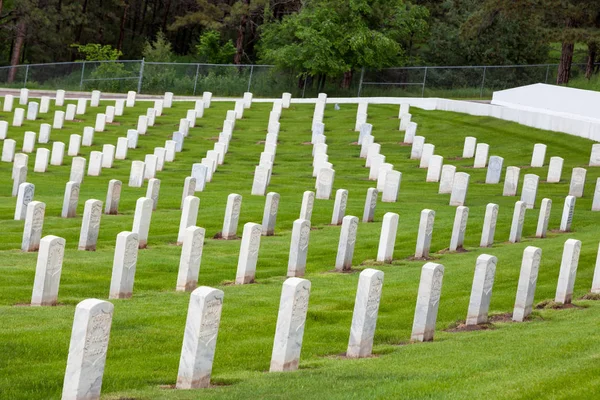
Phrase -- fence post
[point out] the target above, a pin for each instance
(424, 80)
(139, 89)
(250, 78)
(26, 76)
(547, 72)
(362, 75)
(82, 74)
(196, 78)
(482, 83)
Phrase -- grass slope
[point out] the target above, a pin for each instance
(553, 356)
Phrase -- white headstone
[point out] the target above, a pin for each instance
(568, 271)
(481, 155)
(24, 197)
(189, 215)
(417, 147)
(44, 136)
(8, 103)
(110, 114)
(34, 222)
(595, 156)
(153, 191)
(23, 96)
(577, 182)
(298, 248)
(142, 125)
(410, 133)
(136, 176)
(8, 150)
(428, 300)
(74, 145)
(77, 169)
(232, 216)
(494, 170)
(426, 154)
(20, 176)
(141, 220)
(200, 338)
(95, 165)
(567, 214)
(170, 150)
(4, 129)
(32, 110)
(113, 197)
(447, 179)
(59, 120)
(343, 261)
(130, 99)
(70, 200)
(391, 186)
(81, 106)
(18, 117)
(122, 146)
(69, 114)
(286, 99)
(119, 107)
(308, 200)
(108, 155)
(405, 119)
(58, 152)
(199, 173)
(151, 116)
(544, 217)
(191, 256)
(246, 269)
(151, 163)
(325, 183)
(469, 147)
(206, 97)
(339, 206)
(425, 233)
(516, 227)
(370, 205)
(459, 228)
(87, 351)
(42, 156)
(539, 155)
(124, 265)
(28, 142)
(489, 225)
(60, 98)
(364, 317)
(90, 225)
(47, 271)
(261, 180)
(481, 292)
(44, 104)
(387, 238)
(555, 170)
(95, 101)
(529, 191)
(530, 266)
(460, 186)
(511, 181)
(270, 214)
(435, 168)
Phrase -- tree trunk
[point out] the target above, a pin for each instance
(239, 43)
(564, 68)
(18, 46)
(0, 7)
(80, 27)
(122, 28)
(165, 18)
(347, 80)
(589, 68)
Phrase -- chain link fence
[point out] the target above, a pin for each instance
(228, 80)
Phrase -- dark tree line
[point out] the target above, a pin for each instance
(312, 37)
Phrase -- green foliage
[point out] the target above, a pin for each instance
(158, 51)
(97, 52)
(466, 34)
(334, 37)
(212, 49)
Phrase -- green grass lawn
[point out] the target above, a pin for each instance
(555, 355)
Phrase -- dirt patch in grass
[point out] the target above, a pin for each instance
(77, 120)
(114, 123)
(458, 250)
(343, 356)
(219, 236)
(552, 305)
(372, 263)
(591, 296)
(315, 228)
(413, 258)
(457, 159)
(559, 231)
(29, 305)
(261, 142)
(344, 271)
(470, 328)
(506, 317)
(307, 143)
(214, 138)
(404, 144)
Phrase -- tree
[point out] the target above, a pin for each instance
(335, 37)
(211, 48)
(158, 51)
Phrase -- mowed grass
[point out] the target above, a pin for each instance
(555, 355)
